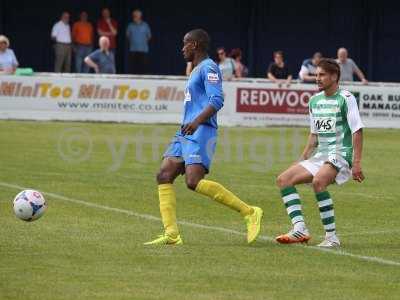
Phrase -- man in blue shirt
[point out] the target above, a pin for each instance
(102, 60)
(138, 34)
(192, 148)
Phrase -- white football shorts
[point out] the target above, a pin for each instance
(314, 163)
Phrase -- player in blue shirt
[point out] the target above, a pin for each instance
(192, 148)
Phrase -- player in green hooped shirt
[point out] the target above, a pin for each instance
(332, 154)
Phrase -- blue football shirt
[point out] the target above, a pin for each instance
(203, 88)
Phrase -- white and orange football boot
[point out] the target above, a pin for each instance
(299, 234)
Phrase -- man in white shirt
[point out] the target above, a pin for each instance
(61, 34)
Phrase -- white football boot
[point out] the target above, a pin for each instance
(331, 241)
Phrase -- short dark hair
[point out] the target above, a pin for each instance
(201, 37)
(318, 54)
(330, 66)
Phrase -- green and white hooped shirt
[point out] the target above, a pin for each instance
(334, 119)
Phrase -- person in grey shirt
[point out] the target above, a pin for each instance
(225, 64)
(348, 67)
(102, 60)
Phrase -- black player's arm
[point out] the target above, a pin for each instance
(312, 143)
(206, 114)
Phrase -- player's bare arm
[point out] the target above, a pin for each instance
(190, 128)
(357, 144)
(312, 143)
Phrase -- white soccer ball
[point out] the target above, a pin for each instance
(29, 205)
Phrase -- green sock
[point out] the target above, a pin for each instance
(291, 199)
(326, 212)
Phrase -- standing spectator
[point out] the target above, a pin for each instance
(108, 27)
(240, 69)
(278, 71)
(82, 35)
(226, 64)
(348, 67)
(102, 60)
(308, 69)
(8, 61)
(61, 34)
(138, 34)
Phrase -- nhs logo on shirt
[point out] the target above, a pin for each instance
(212, 77)
(325, 125)
(188, 96)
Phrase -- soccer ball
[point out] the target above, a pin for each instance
(29, 205)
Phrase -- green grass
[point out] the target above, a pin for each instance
(80, 252)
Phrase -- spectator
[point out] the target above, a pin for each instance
(82, 35)
(8, 61)
(278, 71)
(308, 69)
(61, 34)
(226, 64)
(108, 27)
(348, 67)
(102, 60)
(240, 69)
(138, 34)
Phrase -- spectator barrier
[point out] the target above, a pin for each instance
(159, 99)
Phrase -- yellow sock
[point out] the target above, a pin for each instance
(216, 191)
(166, 194)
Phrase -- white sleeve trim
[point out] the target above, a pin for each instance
(303, 71)
(312, 126)
(353, 115)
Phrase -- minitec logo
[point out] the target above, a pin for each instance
(82, 91)
(272, 101)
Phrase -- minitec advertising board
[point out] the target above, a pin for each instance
(149, 100)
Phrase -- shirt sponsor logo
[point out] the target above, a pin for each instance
(212, 77)
(325, 125)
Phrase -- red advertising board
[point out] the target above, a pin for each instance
(279, 101)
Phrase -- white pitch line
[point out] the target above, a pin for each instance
(374, 259)
(376, 232)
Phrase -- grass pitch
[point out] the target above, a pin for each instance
(99, 183)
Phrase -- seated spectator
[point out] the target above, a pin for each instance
(240, 69)
(102, 60)
(308, 69)
(8, 61)
(278, 71)
(348, 67)
(82, 35)
(226, 64)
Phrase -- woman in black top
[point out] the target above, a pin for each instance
(278, 71)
